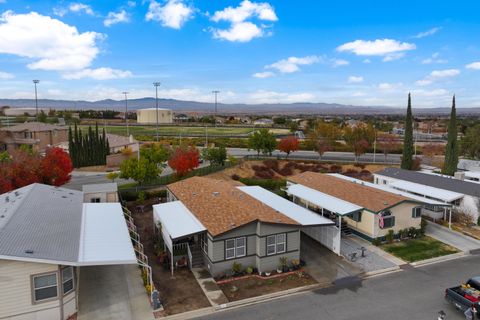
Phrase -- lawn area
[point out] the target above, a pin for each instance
(174, 130)
(419, 249)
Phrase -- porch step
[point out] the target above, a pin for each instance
(346, 231)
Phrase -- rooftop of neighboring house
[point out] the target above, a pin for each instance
(220, 206)
(33, 127)
(100, 187)
(436, 181)
(366, 197)
(115, 141)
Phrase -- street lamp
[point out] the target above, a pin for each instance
(156, 84)
(126, 112)
(36, 100)
(215, 92)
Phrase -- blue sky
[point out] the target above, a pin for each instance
(354, 52)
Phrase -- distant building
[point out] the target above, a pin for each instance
(38, 135)
(100, 192)
(149, 116)
(16, 112)
(263, 122)
(118, 143)
(181, 117)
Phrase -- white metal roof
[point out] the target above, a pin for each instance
(386, 188)
(472, 174)
(105, 238)
(323, 200)
(176, 219)
(293, 211)
(427, 191)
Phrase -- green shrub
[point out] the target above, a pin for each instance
(423, 227)
(236, 268)
(142, 196)
(389, 237)
(376, 242)
(249, 270)
(478, 221)
(269, 184)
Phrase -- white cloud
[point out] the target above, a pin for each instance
(240, 29)
(385, 86)
(49, 43)
(173, 14)
(116, 17)
(429, 93)
(262, 96)
(435, 58)
(292, 64)
(437, 75)
(427, 33)
(6, 75)
(339, 62)
(97, 74)
(79, 7)
(58, 11)
(388, 48)
(263, 75)
(131, 4)
(367, 61)
(355, 79)
(473, 65)
(3, 1)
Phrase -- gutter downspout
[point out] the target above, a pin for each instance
(60, 290)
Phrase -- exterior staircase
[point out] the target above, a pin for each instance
(197, 257)
(346, 231)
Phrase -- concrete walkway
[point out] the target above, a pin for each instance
(453, 238)
(214, 294)
(113, 293)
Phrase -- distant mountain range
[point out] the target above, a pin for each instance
(300, 108)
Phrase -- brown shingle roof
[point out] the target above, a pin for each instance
(366, 197)
(34, 127)
(221, 207)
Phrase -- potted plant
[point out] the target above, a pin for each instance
(295, 264)
(236, 268)
(284, 264)
(249, 270)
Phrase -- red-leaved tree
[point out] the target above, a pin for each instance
(56, 167)
(288, 145)
(184, 159)
(24, 168)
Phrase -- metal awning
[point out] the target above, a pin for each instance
(104, 238)
(386, 188)
(293, 211)
(323, 200)
(177, 221)
(426, 191)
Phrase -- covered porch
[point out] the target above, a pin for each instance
(184, 236)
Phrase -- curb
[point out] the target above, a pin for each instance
(449, 257)
(270, 296)
(190, 314)
(374, 273)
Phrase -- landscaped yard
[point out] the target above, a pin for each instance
(256, 286)
(419, 249)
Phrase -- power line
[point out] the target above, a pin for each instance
(35, 82)
(126, 112)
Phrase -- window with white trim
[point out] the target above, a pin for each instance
(204, 243)
(276, 243)
(417, 212)
(67, 280)
(45, 287)
(95, 200)
(235, 248)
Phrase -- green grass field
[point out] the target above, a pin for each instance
(184, 131)
(419, 249)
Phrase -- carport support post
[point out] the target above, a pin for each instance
(450, 218)
(171, 266)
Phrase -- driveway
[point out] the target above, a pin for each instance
(112, 293)
(322, 264)
(453, 238)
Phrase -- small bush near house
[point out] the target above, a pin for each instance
(423, 227)
(142, 197)
(478, 221)
(359, 165)
(376, 242)
(236, 268)
(389, 237)
(270, 184)
(235, 177)
(249, 270)
(335, 169)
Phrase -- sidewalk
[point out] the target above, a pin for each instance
(210, 288)
(452, 238)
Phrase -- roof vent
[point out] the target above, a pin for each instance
(7, 199)
(385, 203)
(29, 251)
(216, 193)
(232, 224)
(16, 193)
(2, 216)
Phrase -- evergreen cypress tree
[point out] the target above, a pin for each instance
(407, 156)
(451, 150)
(71, 147)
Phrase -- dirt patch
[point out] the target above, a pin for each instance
(254, 287)
(210, 285)
(281, 169)
(180, 293)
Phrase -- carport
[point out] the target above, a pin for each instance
(324, 205)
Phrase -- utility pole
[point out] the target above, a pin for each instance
(126, 112)
(156, 84)
(36, 100)
(215, 92)
(374, 144)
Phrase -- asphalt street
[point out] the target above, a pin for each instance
(409, 294)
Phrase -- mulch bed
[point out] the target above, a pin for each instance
(254, 285)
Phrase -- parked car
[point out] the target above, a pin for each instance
(465, 295)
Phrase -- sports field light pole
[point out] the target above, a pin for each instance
(156, 84)
(215, 92)
(126, 112)
(36, 100)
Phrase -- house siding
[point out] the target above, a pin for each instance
(104, 196)
(16, 293)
